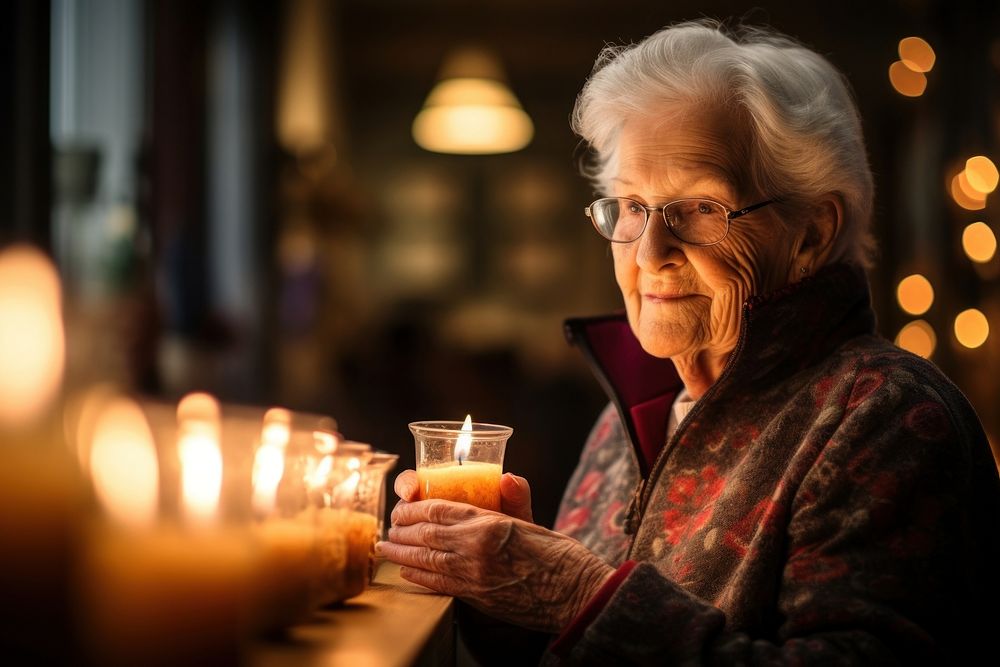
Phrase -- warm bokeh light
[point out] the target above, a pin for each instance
(325, 442)
(198, 447)
(349, 486)
(471, 110)
(123, 463)
(198, 406)
(304, 101)
(915, 294)
(916, 54)
(277, 427)
(32, 342)
(967, 189)
(979, 242)
(268, 468)
(906, 81)
(269, 461)
(971, 328)
(472, 116)
(319, 473)
(917, 337)
(958, 193)
(981, 174)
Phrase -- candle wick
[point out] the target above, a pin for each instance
(460, 459)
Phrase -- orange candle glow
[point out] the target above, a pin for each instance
(152, 593)
(467, 474)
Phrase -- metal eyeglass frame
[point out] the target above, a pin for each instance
(730, 216)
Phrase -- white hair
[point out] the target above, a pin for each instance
(799, 132)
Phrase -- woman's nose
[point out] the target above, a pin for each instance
(658, 247)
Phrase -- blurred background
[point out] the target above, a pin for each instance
(236, 198)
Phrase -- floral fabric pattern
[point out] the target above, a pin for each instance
(832, 499)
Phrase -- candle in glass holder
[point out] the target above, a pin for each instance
(40, 495)
(346, 535)
(462, 462)
(156, 594)
(286, 542)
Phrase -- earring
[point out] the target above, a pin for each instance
(804, 270)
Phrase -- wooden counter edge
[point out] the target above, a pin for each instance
(392, 624)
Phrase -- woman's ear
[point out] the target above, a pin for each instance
(823, 224)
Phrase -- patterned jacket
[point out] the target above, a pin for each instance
(830, 499)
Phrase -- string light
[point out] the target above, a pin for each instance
(971, 328)
(981, 174)
(917, 337)
(916, 54)
(979, 242)
(962, 198)
(915, 294)
(906, 81)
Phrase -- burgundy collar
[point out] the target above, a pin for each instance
(781, 333)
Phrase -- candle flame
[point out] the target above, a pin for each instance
(325, 442)
(198, 406)
(463, 445)
(123, 463)
(318, 476)
(32, 342)
(277, 429)
(200, 456)
(350, 485)
(269, 461)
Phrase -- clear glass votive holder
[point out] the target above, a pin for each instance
(458, 464)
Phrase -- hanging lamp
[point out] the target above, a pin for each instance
(471, 110)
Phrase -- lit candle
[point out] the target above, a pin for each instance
(469, 472)
(286, 539)
(343, 566)
(39, 486)
(155, 594)
(346, 536)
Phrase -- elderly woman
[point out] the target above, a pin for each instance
(772, 482)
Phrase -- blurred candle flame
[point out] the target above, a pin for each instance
(463, 445)
(198, 422)
(325, 442)
(350, 485)
(269, 461)
(123, 463)
(277, 428)
(32, 342)
(317, 477)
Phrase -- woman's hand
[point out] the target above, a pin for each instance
(508, 568)
(515, 493)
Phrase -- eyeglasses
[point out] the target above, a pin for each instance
(700, 222)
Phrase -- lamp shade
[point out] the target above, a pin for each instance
(471, 110)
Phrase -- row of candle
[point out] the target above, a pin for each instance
(306, 541)
(161, 535)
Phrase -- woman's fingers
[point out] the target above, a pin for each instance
(434, 511)
(418, 557)
(515, 497)
(407, 486)
(432, 580)
(425, 534)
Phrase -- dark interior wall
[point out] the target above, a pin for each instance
(24, 120)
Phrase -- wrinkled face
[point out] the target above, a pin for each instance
(683, 299)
